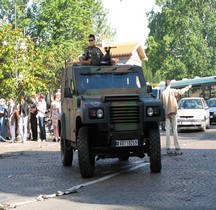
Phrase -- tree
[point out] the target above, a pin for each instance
(22, 70)
(67, 23)
(54, 33)
(14, 12)
(63, 27)
(180, 43)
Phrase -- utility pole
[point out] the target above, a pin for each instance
(15, 25)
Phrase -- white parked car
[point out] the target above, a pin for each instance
(193, 113)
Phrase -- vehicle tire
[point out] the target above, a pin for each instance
(208, 124)
(203, 127)
(163, 127)
(154, 148)
(66, 152)
(86, 160)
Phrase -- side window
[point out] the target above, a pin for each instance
(68, 86)
(67, 79)
(195, 92)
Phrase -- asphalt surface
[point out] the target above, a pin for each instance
(32, 172)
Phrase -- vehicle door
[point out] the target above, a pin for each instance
(68, 105)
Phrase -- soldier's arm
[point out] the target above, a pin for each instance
(85, 58)
(86, 62)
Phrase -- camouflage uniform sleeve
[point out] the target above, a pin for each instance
(85, 54)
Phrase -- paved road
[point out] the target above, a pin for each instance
(32, 174)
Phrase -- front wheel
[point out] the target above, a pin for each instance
(208, 123)
(86, 160)
(154, 148)
(66, 152)
(203, 127)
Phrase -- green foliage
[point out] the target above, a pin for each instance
(181, 42)
(21, 66)
(53, 33)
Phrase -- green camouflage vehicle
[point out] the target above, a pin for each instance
(107, 112)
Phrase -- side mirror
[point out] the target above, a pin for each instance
(67, 92)
(149, 88)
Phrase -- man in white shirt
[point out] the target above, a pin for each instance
(41, 109)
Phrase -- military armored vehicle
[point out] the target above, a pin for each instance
(107, 112)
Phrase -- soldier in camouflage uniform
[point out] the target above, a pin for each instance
(92, 55)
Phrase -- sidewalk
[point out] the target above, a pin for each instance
(7, 147)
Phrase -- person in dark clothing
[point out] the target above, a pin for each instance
(2, 120)
(33, 117)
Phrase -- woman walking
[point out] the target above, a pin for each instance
(54, 113)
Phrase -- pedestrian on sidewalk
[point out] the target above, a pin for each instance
(3, 111)
(169, 99)
(12, 118)
(41, 111)
(23, 119)
(33, 117)
(54, 113)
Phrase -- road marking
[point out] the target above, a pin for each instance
(74, 188)
(106, 177)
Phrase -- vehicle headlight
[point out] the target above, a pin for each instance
(153, 111)
(99, 113)
(96, 113)
(150, 111)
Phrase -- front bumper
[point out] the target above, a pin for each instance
(190, 124)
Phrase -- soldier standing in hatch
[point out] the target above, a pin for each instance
(92, 55)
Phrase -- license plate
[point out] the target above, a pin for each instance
(185, 123)
(127, 143)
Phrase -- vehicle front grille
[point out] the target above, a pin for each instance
(124, 111)
(121, 98)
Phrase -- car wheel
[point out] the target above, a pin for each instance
(203, 127)
(66, 152)
(86, 160)
(163, 128)
(208, 124)
(154, 148)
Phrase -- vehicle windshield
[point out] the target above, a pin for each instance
(110, 80)
(211, 103)
(190, 104)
